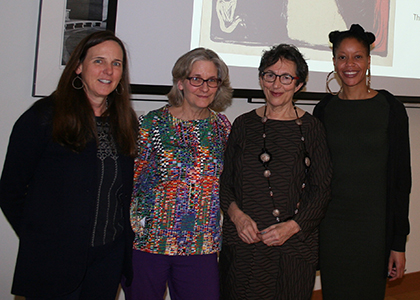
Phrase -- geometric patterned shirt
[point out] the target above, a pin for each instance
(175, 207)
(108, 219)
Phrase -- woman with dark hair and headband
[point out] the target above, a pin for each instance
(363, 235)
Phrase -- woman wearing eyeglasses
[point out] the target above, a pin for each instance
(274, 189)
(175, 206)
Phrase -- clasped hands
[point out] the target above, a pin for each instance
(274, 235)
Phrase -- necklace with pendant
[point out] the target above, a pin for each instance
(265, 157)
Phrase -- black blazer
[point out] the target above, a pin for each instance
(47, 193)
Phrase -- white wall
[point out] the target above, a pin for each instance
(18, 23)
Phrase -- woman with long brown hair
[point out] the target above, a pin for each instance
(67, 179)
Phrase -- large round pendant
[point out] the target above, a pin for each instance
(265, 157)
(307, 161)
(276, 212)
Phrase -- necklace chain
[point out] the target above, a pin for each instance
(265, 157)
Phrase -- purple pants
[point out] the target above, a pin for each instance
(188, 277)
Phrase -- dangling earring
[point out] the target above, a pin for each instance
(73, 83)
(368, 80)
(328, 82)
(122, 89)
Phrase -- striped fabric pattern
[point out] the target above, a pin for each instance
(283, 272)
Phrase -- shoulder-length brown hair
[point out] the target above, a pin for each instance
(74, 121)
(182, 69)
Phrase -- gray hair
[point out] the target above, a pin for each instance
(182, 69)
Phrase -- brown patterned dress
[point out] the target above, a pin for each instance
(257, 271)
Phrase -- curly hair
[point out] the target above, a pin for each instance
(289, 52)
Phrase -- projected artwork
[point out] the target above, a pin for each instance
(158, 32)
(243, 26)
(228, 19)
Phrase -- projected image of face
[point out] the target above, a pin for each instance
(199, 97)
(351, 62)
(276, 93)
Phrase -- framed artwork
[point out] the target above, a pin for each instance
(233, 28)
(62, 25)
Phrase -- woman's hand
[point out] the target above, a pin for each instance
(396, 265)
(246, 227)
(278, 234)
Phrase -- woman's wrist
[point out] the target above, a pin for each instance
(234, 212)
(294, 227)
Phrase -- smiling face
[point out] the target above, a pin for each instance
(198, 98)
(101, 70)
(276, 93)
(351, 61)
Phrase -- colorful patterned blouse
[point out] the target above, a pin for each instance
(175, 204)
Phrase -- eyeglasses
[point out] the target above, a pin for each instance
(211, 82)
(270, 77)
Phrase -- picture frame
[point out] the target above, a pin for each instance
(61, 25)
(51, 37)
